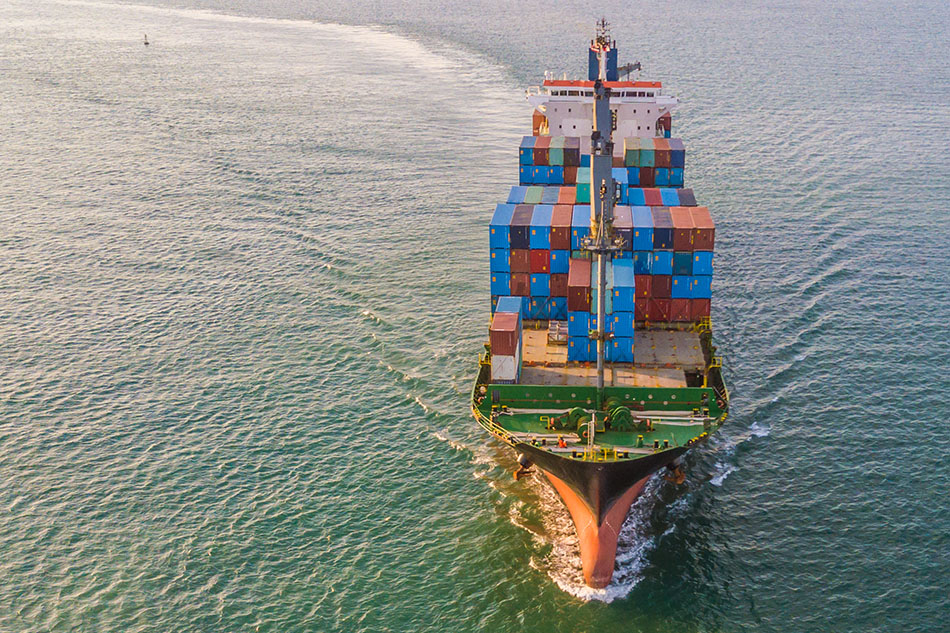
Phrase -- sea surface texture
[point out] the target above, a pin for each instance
(244, 280)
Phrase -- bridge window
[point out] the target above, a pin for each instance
(573, 93)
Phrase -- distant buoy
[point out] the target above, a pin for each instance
(146, 39)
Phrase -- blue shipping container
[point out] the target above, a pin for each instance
(526, 151)
(538, 308)
(642, 262)
(516, 196)
(635, 197)
(549, 195)
(578, 349)
(620, 350)
(702, 263)
(633, 176)
(676, 177)
(558, 308)
(580, 225)
(670, 197)
(681, 287)
(623, 273)
(619, 174)
(585, 161)
(539, 234)
(661, 177)
(540, 286)
(625, 299)
(500, 283)
(662, 263)
(498, 227)
(622, 324)
(560, 262)
(577, 323)
(509, 304)
(555, 175)
(498, 261)
(526, 175)
(701, 287)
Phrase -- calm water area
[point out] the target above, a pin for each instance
(244, 279)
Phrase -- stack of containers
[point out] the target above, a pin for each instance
(655, 162)
(673, 279)
(535, 235)
(549, 160)
(504, 336)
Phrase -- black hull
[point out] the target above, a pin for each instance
(599, 484)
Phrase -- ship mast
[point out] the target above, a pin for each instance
(601, 242)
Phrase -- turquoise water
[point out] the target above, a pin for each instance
(243, 280)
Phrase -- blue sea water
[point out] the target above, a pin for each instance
(243, 280)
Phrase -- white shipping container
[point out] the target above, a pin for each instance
(506, 368)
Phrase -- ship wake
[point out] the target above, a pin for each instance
(563, 563)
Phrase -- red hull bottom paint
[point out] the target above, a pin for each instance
(598, 543)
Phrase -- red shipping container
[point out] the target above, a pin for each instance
(704, 231)
(658, 310)
(578, 286)
(646, 176)
(541, 145)
(567, 195)
(540, 261)
(661, 286)
(661, 152)
(520, 285)
(698, 309)
(682, 228)
(559, 285)
(561, 227)
(618, 161)
(570, 175)
(653, 197)
(520, 260)
(679, 310)
(640, 310)
(504, 333)
(643, 284)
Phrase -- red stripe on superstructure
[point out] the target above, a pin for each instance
(583, 83)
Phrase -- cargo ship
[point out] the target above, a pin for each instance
(599, 370)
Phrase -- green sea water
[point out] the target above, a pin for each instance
(244, 279)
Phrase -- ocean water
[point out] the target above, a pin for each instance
(243, 281)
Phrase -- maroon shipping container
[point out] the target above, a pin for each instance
(704, 231)
(643, 284)
(679, 310)
(687, 199)
(559, 285)
(646, 176)
(682, 228)
(541, 145)
(520, 285)
(618, 162)
(504, 333)
(578, 286)
(520, 260)
(698, 308)
(540, 261)
(661, 152)
(640, 310)
(658, 310)
(561, 227)
(661, 286)
(570, 175)
(653, 197)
